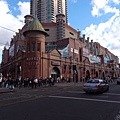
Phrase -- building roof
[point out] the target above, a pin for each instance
(35, 25)
(61, 47)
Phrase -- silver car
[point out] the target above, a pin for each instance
(118, 80)
(95, 85)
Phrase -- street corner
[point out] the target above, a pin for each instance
(6, 90)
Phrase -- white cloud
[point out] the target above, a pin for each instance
(74, 1)
(101, 7)
(24, 9)
(116, 2)
(106, 33)
(11, 22)
(97, 6)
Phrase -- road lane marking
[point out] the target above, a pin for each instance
(117, 117)
(103, 93)
(75, 92)
(112, 94)
(87, 99)
(22, 101)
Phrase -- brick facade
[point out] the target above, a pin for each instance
(35, 61)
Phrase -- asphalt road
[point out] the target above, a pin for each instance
(60, 103)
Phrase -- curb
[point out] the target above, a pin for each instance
(6, 90)
(69, 84)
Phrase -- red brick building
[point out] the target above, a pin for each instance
(29, 56)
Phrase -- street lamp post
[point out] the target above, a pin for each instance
(74, 67)
(94, 71)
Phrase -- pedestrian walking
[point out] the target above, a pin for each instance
(35, 82)
(11, 83)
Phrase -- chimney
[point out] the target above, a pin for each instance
(83, 38)
(88, 41)
(79, 32)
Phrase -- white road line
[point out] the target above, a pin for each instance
(117, 117)
(87, 99)
(112, 94)
(75, 92)
(103, 93)
(22, 101)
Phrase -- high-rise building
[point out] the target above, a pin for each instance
(46, 10)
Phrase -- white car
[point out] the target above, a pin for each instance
(118, 80)
(95, 85)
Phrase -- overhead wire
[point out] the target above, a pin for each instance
(7, 29)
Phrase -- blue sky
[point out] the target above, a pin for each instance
(97, 19)
(79, 14)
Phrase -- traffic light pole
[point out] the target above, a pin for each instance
(74, 76)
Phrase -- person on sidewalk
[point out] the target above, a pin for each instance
(0, 82)
(11, 83)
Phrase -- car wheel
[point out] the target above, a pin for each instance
(107, 89)
(87, 92)
(101, 91)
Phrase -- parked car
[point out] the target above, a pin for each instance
(118, 80)
(96, 85)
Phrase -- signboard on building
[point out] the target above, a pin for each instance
(85, 52)
(74, 50)
(94, 59)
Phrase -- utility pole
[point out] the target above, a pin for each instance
(74, 67)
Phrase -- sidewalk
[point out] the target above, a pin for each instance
(65, 84)
(77, 84)
(69, 84)
(62, 84)
(6, 90)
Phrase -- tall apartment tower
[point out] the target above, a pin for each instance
(46, 10)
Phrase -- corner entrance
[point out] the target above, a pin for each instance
(55, 73)
(87, 75)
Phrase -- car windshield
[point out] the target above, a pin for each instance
(93, 81)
